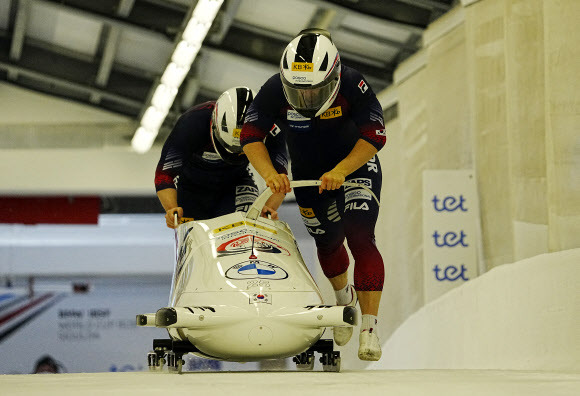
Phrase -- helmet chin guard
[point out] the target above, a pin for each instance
(226, 124)
(310, 72)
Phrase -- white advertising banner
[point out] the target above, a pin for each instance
(450, 230)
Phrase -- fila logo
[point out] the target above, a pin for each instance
(356, 206)
(362, 86)
(275, 130)
(331, 113)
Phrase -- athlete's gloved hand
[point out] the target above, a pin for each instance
(331, 180)
(266, 210)
(170, 216)
(278, 183)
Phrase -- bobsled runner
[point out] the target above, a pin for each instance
(241, 291)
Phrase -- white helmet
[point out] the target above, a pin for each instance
(226, 123)
(310, 72)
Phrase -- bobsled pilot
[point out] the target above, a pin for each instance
(334, 127)
(203, 172)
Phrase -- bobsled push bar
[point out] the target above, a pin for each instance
(195, 318)
(258, 204)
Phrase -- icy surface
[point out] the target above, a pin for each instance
(383, 382)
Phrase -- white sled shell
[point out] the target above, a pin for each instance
(242, 292)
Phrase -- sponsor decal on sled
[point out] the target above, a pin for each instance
(244, 244)
(255, 269)
(241, 223)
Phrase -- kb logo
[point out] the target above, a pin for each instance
(302, 66)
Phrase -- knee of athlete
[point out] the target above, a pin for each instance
(333, 262)
(360, 243)
(369, 269)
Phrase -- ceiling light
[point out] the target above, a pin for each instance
(163, 96)
(143, 140)
(181, 60)
(185, 53)
(174, 75)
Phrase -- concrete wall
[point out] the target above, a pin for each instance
(523, 316)
(495, 89)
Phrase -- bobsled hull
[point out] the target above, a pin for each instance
(241, 291)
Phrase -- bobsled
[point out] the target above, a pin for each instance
(241, 292)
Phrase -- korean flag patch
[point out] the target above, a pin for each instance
(362, 86)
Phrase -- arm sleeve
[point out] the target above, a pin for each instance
(183, 140)
(263, 111)
(366, 110)
(276, 145)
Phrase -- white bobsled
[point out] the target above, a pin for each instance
(242, 292)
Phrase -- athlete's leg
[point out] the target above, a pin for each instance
(360, 216)
(322, 222)
(322, 219)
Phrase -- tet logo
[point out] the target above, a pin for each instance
(307, 212)
(331, 113)
(449, 204)
(450, 239)
(302, 66)
(450, 273)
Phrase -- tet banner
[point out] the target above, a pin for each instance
(450, 234)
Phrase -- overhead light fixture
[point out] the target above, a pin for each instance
(181, 60)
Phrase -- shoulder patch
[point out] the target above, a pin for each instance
(275, 130)
(362, 86)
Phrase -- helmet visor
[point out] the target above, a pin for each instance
(308, 99)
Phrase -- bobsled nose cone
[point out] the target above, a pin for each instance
(260, 335)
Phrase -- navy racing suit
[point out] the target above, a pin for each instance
(206, 185)
(316, 146)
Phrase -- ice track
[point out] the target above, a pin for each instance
(371, 382)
